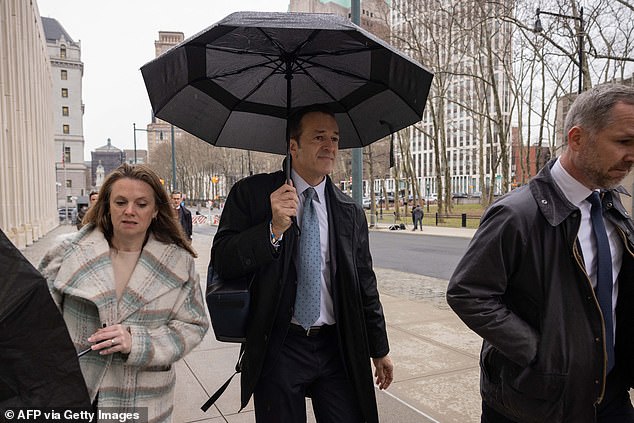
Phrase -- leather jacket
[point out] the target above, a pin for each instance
(522, 286)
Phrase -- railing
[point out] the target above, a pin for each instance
(447, 219)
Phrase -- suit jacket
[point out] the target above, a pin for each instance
(185, 217)
(241, 247)
(162, 305)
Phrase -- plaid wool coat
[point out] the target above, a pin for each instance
(162, 305)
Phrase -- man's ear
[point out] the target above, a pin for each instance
(575, 138)
(293, 146)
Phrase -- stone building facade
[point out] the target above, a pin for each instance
(67, 71)
(105, 159)
(27, 171)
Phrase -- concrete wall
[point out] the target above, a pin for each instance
(27, 164)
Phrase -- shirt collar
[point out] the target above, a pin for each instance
(301, 185)
(574, 190)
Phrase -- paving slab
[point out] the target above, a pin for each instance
(451, 397)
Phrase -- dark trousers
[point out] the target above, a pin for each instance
(616, 406)
(307, 366)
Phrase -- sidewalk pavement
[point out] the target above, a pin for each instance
(435, 354)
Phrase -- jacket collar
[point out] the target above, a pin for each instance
(151, 278)
(552, 202)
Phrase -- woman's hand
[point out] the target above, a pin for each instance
(112, 339)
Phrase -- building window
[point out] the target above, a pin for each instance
(69, 183)
(64, 110)
(65, 92)
(66, 129)
(62, 52)
(66, 154)
(64, 75)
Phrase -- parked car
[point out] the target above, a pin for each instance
(459, 195)
(366, 202)
(68, 214)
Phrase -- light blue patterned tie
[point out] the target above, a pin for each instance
(604, 273)
(307, 300)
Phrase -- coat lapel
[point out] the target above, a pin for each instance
(87, 273)
(157, 272)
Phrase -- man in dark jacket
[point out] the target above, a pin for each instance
(548, 282)
(417, 217)
(302, 341)
(184, 216)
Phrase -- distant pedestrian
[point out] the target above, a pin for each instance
(92, 199)
(417, 217)
(547, 280)
(183, 215)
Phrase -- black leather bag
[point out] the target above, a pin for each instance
(228, 302)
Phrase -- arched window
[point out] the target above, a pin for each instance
(62, 52)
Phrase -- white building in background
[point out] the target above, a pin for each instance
(454, 63)
(68, 112)
(27, 173)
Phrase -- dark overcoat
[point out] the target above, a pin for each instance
(523, 287)
(185, 217)
(242, 247)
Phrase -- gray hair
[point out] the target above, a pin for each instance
(592, 109)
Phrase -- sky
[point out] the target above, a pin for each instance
(117, 38)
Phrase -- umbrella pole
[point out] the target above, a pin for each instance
(289, 76)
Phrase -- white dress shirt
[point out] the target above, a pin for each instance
(577, 193)
(326, 315)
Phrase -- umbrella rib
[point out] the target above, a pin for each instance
(257, 87)
(345, 73)
(246, 68)
(354, 125)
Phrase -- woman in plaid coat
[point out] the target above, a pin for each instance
(128, 290)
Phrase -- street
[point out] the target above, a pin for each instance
(427, 255)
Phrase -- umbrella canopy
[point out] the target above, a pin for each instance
(39, 362)
(235, 83)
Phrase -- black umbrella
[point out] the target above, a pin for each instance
(235, 83)
(39, 362)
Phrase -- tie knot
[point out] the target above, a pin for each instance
(594, 199)
(310, 193)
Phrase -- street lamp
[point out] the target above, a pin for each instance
(135, 129)
(538, 29)
(173, 159)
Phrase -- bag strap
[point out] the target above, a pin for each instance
(212, 399)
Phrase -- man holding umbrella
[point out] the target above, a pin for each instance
(316, 318)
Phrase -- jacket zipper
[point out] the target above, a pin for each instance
(596, 302)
